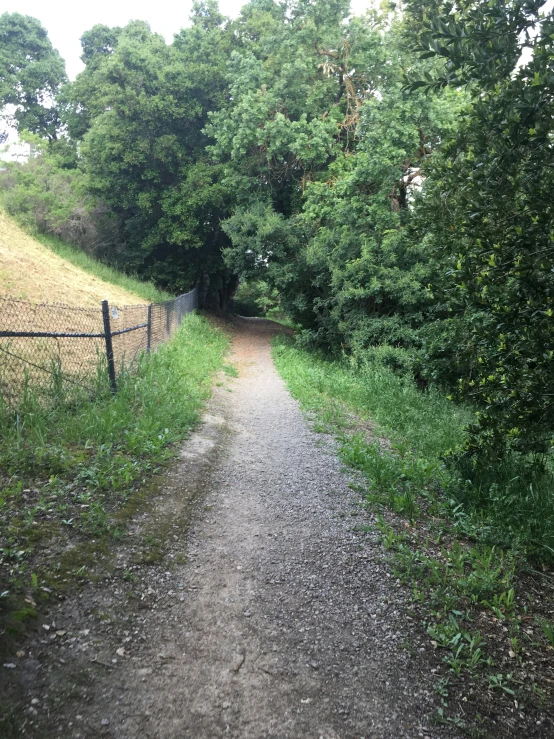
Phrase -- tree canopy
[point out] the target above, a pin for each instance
(31, 74)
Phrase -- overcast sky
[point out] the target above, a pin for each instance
(67, 20)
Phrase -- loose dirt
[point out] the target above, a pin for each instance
(263, 610)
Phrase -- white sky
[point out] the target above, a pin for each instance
(67, 20)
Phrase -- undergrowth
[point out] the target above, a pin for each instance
(72, 471)
(466, 548)
(510, 504)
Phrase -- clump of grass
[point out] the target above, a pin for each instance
(428, 422)
(68, 467)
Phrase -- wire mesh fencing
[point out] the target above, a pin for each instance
(48, 349)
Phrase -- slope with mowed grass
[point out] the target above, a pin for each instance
(31, 271)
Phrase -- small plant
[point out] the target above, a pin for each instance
(499, 682)
(388, 536)
(441, 687)
(502, 604)
(456, 721)
(548, 631)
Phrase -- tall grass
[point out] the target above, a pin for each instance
(77, 257)
(430, 423)
(510, 503)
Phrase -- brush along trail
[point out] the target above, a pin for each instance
(243, 603)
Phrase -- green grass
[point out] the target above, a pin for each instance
(509, 504)
(387, 429)
(429, 423)
(75, 468)
(78, 258)
(459, 542)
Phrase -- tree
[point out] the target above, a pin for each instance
(487, 215)
(84, 99)
(322, 149)
(140, 108)
(31, 74)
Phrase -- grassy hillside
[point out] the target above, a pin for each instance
(50, 271)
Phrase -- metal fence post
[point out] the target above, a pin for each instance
(149, 328)
(109, 345)
(168, 319)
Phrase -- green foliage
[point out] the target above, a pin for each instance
(477, 42)
(31, 73)
(50, 200)
(255, 298)
(77, 463)
(486, 217)
(140, 107)
(47, 195)
(322, 151)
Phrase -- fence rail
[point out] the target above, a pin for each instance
(45, 347)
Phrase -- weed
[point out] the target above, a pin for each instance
(441, 687)
(548, 631)
(499, 682)
(389, 537)
(230, 370)
(455, 721)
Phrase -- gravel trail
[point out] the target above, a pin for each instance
(277, 619)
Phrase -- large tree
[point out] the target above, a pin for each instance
(31, 74)
(322, 149)
(140, 108)
(487, 216)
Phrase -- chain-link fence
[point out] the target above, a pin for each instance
(51, 348)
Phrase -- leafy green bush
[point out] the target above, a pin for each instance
(487, 219)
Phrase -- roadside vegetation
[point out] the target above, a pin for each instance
(72, 254)
(72, 474)
(478, 568)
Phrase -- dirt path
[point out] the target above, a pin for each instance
(269, 616)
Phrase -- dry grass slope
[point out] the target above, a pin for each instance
(30, 271)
